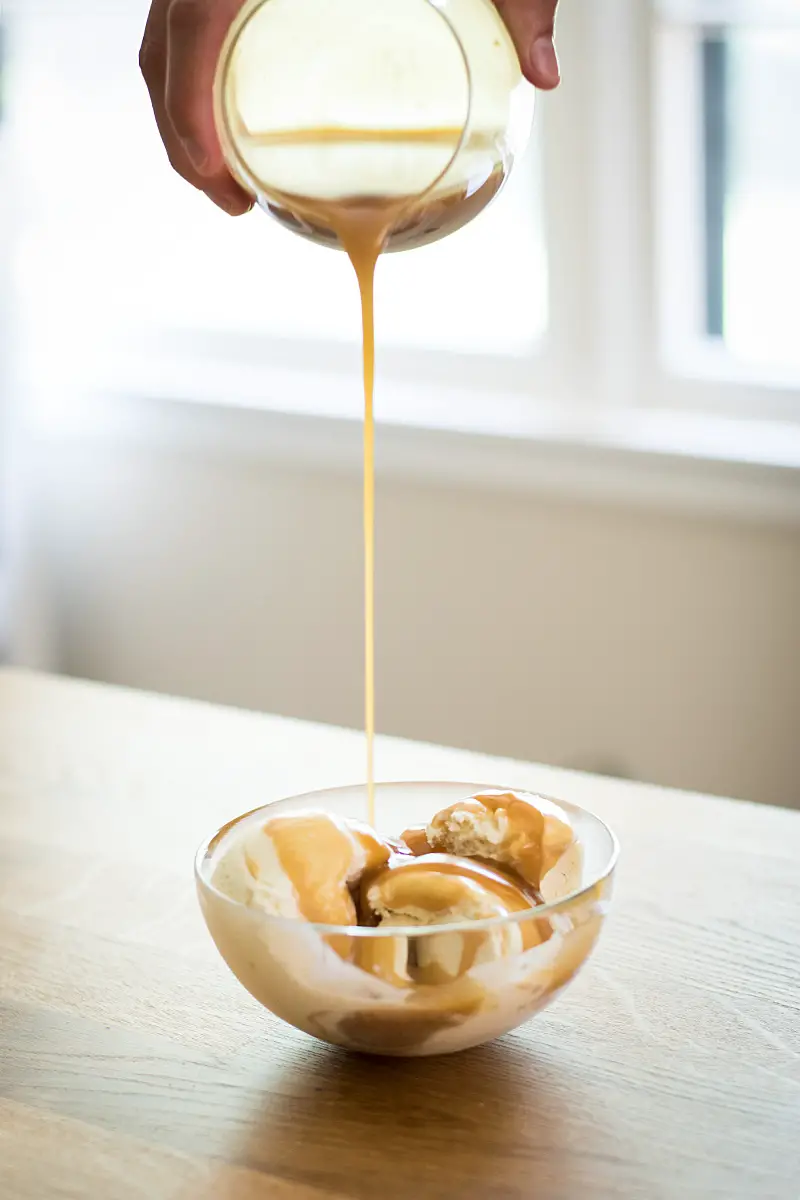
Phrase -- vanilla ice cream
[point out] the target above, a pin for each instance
(524, 833)
(440, 889)
(303, 865)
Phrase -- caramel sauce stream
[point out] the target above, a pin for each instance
(345, 135)
(362, 230)
(365, 272)
(362, 227)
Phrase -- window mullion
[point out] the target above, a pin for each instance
(620, 262)
(565, 362)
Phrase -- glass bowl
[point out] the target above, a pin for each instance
(351, 986)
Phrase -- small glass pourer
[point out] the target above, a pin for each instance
(416, 105)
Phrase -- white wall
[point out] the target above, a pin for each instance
(663, 647)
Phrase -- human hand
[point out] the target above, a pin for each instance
(531, 24)
(178, 59)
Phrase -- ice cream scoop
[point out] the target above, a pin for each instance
(302, 865)
(440, 889)
(524, 833)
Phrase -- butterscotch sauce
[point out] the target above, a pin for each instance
(418, 217)
(437, 884)
(318, 856)
(352, 135)
(427, 1011)
(364, 227)
(363, 247)
(526, 833)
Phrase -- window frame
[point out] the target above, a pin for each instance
(697, 371)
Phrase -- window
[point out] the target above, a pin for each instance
(642, 260)
(729, 189)
(112, 242)
(752, 181)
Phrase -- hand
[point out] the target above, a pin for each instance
(181, 45)
(531, 24)
(178, 58)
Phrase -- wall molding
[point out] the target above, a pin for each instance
(670, 462)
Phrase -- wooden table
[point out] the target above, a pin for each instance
(132, 1065)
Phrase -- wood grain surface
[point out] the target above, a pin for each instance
(132, 1065)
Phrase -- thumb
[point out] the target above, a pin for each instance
(531, 24)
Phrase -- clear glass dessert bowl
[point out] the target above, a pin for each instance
(418, 989)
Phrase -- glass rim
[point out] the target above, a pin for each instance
(553, 907)
(234, 160)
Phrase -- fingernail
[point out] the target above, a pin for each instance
(234, 206)
(197, 155)
(543, 62)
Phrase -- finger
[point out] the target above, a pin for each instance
(531, 24)
(153, 65)
(153, 61)
(196, 30)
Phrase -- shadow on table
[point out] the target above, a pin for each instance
(487, 1122)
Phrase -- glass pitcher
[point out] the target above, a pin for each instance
(416, 105)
